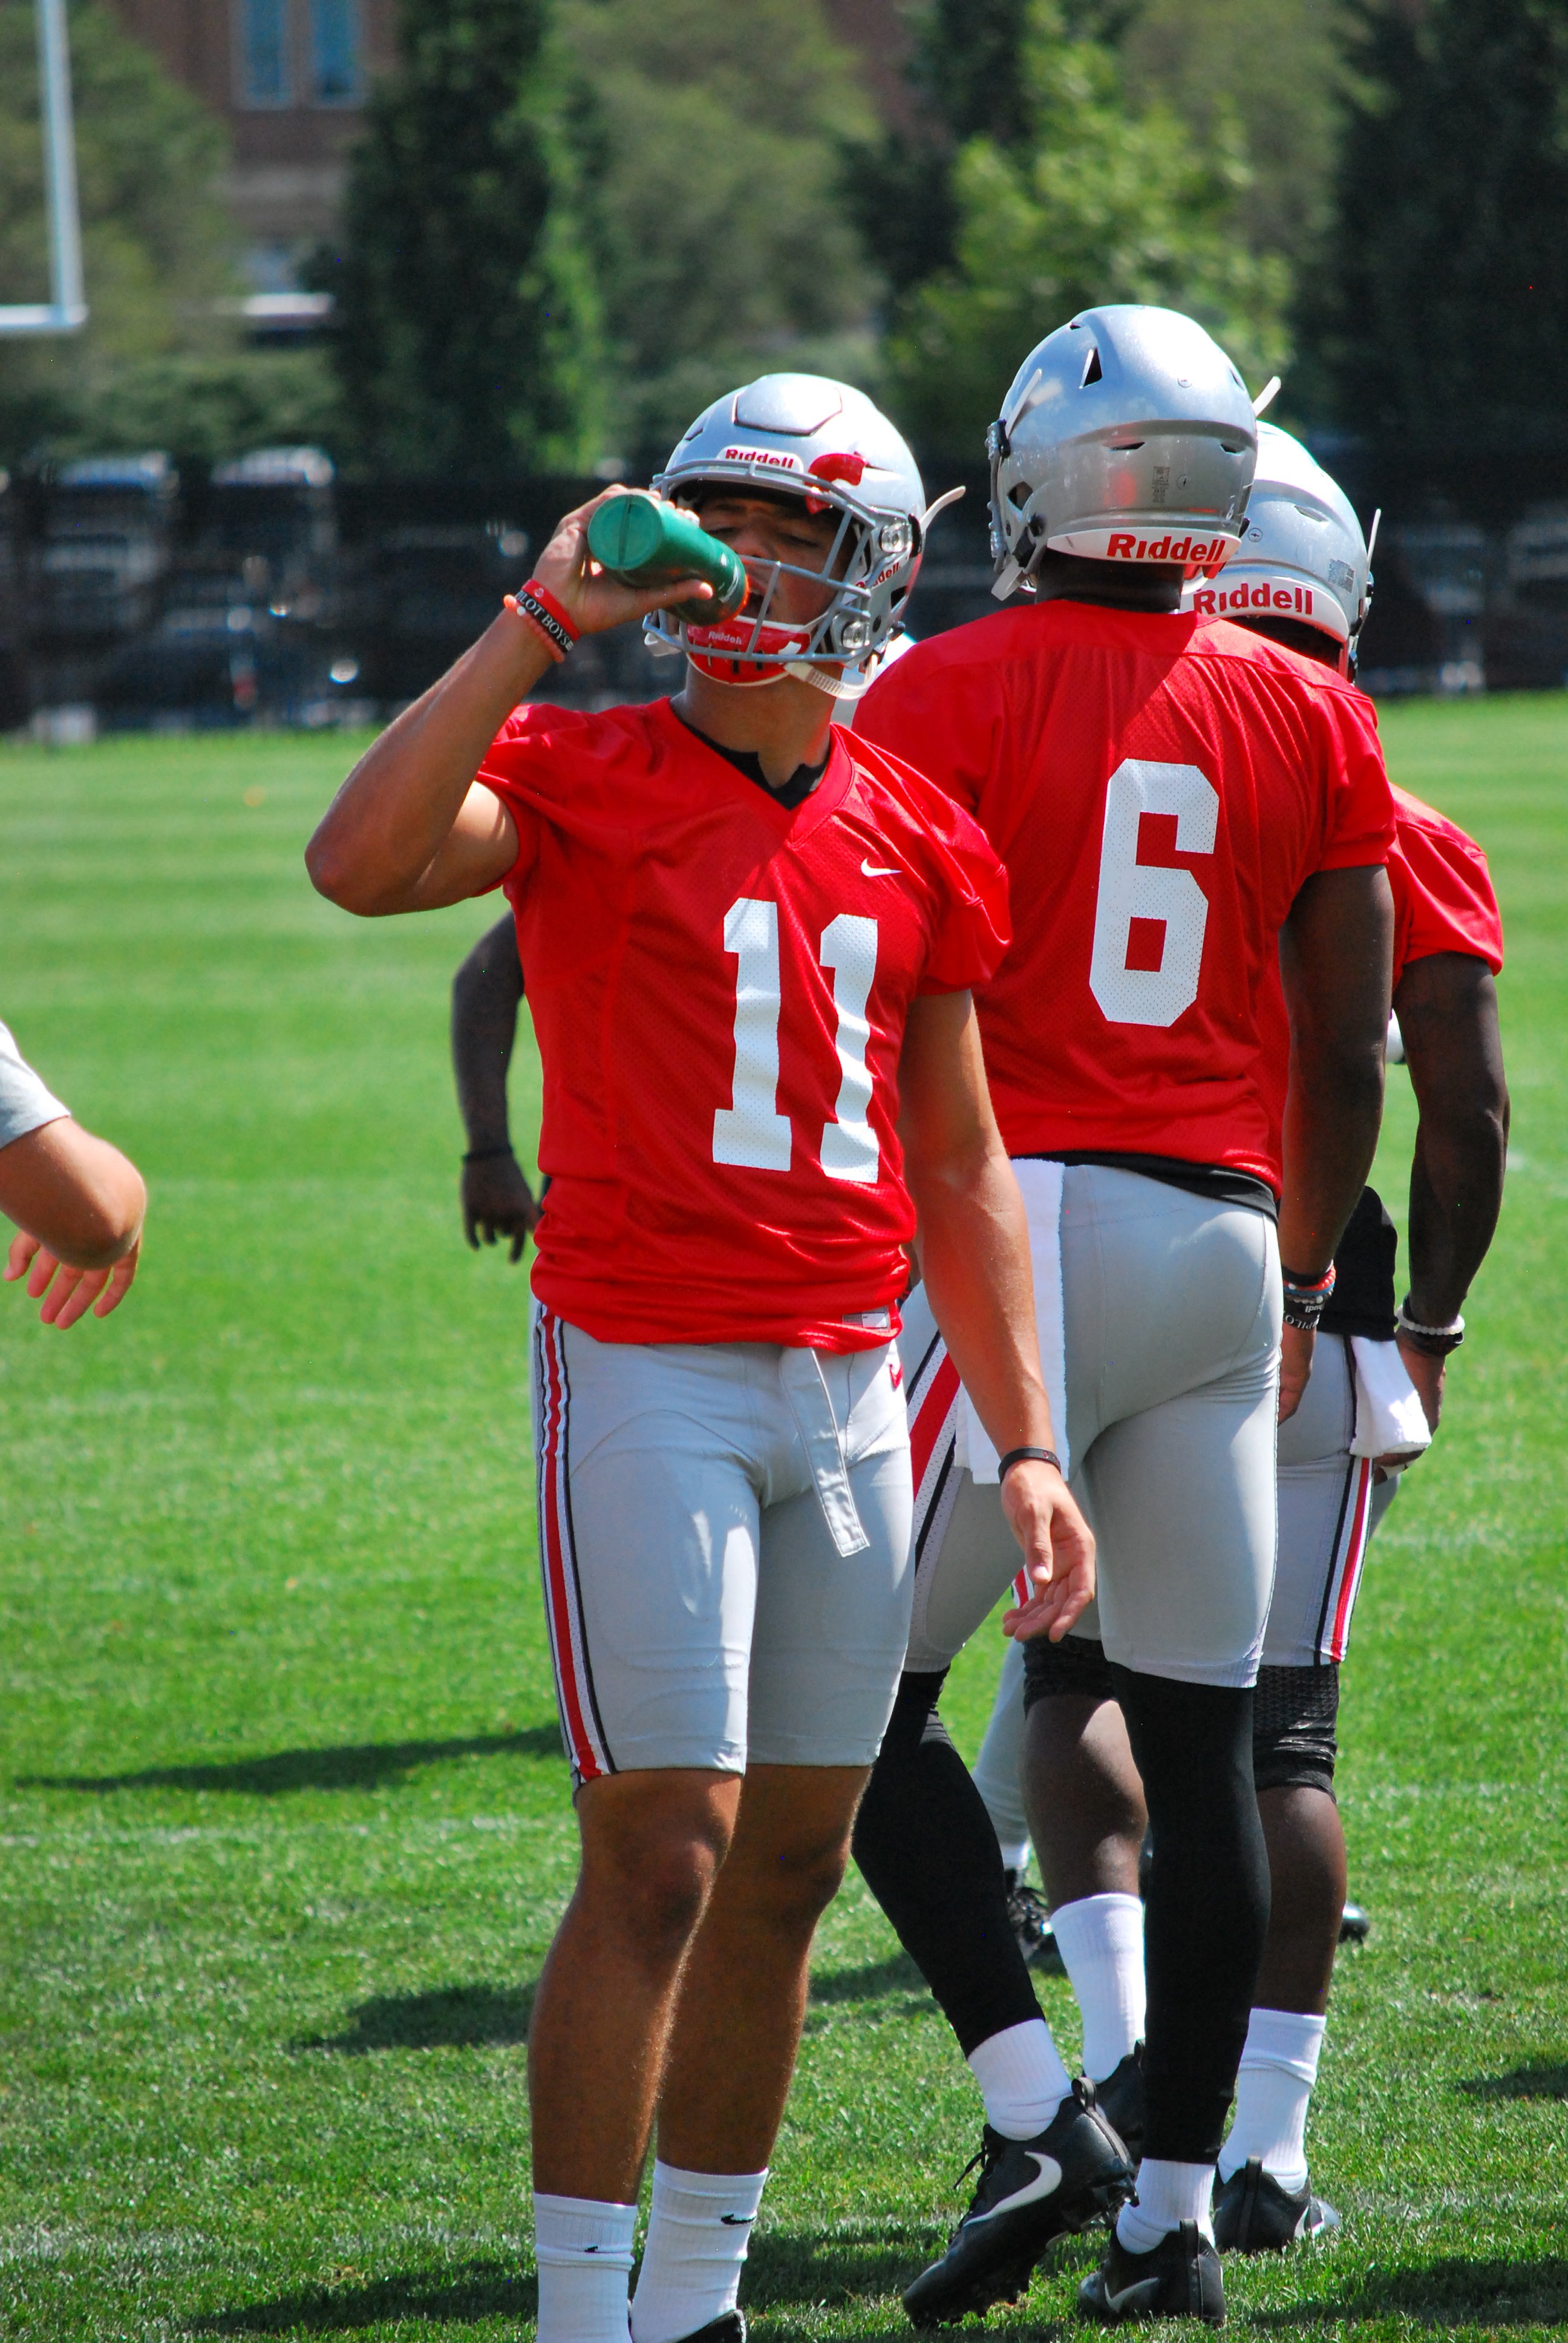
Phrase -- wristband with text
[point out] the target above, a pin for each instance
(539, 606)
(1306, 1298)
(1026, 1456)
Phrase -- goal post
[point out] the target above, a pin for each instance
(66, 310)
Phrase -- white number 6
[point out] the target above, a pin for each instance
(1131, 890)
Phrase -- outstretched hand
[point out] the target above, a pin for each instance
(498, 1204)
(1058, 1552)
(68, 1293)
(592, 599)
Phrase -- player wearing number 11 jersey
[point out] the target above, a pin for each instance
(1176, 805)
(749, 949)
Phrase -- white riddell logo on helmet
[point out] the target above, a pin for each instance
(780, 461)
(1125, 545)
(1297, 600)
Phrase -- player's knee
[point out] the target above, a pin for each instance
(1295, 1728)
(664, 1890)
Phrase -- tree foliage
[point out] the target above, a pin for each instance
(708, 137)
(156, 241)
(1446, 307)
(1088, 203)
(468, 311)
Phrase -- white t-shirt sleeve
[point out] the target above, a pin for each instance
(25, 1102)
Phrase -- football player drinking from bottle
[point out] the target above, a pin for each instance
(1177, 805)
(750, 946)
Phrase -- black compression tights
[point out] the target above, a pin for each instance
(1207, 1912)
(927, 1853)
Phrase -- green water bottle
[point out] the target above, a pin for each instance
(646, 543)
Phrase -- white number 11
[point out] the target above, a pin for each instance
(751, 1132)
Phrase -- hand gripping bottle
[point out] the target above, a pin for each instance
(647, 543)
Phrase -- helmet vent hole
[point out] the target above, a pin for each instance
(1093, 370)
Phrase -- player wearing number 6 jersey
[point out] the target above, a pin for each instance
(1177, 804)
(749, 947)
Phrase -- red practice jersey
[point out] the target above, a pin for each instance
(1442, 902)
(719, 987)
(1443, 898)
(1160, 789)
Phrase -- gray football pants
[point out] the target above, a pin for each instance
(1171, 1310)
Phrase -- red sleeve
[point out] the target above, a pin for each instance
(522, 766)
(937, 717)
(1361, 824)
(1443, 895)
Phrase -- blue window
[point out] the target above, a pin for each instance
(334, 77)
(263, 76)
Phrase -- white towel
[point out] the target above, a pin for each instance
(1390, 1418)
(1041, 1188)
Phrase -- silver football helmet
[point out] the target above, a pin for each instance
(826, 442)
(1302, 555)
(1127, 436)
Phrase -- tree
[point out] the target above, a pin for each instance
(156, 241)
(708, 138)
(467, 312)
(1088, 204)
(1446, 307)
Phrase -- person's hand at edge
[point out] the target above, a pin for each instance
(1296, 1344)
(1057, 1549)
(67, 1294)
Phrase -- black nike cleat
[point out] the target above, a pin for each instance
(730, 2326)
(1030, 2193)
(1028, 1916)
(1254, 2214)
(1355, 1924)
(1120, 2101)
(1178, 2278)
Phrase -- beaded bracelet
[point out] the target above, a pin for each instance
(1436, 1340)
(537, 607)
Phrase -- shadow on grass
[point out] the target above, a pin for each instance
(452, 2016)
(362, 1766)
(897, 1974)
(1520, 2083)
(480, 2290)
(1491, 2295)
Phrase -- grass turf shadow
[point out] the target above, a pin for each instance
(452, 2016)
(1491, 2294)
(1520, 2083)
(360, 1765)
(897, 1974)
(480, 2290)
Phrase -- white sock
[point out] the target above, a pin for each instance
(698, 2229)
(1167, 2194)
(1274, 2091)
(1101, 1939)
(1022, 2079)
(583, 2248)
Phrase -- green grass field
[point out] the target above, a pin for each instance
(286, 1827)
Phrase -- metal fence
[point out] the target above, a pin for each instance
(133, 595)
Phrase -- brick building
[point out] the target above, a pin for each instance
(289, 79)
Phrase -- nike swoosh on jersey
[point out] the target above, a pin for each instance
(1046, 2182)
(876, 870)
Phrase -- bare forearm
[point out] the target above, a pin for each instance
(80, 1197)
(1455, 1195)
(485, 992)
(1331, 1122)
(974, 1258)
(397, 810)
(1454, 1051)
